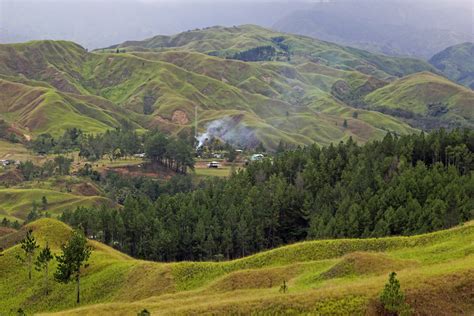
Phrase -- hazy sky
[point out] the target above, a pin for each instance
(99, 23)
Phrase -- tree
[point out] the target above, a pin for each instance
(42, 264)
(63, 165)
(44, 203)
(75, 254)
(144, 312)
(33, 214)
(392, 297)
(29, 246)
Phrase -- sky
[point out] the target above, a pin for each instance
(100, 23)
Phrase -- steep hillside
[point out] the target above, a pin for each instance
(435, 271)
(295, 93)
(427, 99)
(46, 110)
(55, 62)
(457, 63)
(270, 101)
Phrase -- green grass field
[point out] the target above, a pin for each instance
(343, 276)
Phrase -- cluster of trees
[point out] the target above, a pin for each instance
(173, 153)
(46, 143)
(397, 186)
(11, 224)
(113, 143)
(118, 187)
(60, 165)
(74, 256)
(259, 53)
(38, 210)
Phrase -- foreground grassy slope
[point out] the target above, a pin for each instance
(428, 95)
(343, 276)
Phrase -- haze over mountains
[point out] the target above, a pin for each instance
(397, 27)
(408, 28)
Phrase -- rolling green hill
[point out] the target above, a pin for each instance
(457, 63)
(46, 110)
(293, 96)
(343, 276)
(427, 98)
(226, 41)
(15, 204)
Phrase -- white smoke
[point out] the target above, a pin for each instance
(230, 130)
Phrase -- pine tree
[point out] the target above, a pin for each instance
(392, 297)
(29, 246)
(75, 254)
(42, 264)
(44, 203)
(144, 312)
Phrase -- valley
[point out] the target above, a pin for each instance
(159, 83)
(235, 170)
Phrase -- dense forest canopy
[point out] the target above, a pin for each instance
(397, 186)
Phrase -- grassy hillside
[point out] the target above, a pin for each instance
(225, 41)
(15, 204)
(457, 63)
(49, 86)
(435, 271)
(43, 110)
(429, 96)
(274, 100)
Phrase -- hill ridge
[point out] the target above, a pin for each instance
(328, 264)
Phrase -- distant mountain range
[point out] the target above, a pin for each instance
(396, 27)
(264, 86)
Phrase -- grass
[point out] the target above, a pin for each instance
(457, 63)
(17, 203)
(327, 277)
(17, 152)
(416, 92)
(278, 100)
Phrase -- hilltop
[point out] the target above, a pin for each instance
(457, 63)
(291, 94)
(435, 271)
(431, 97)
(226, 41)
